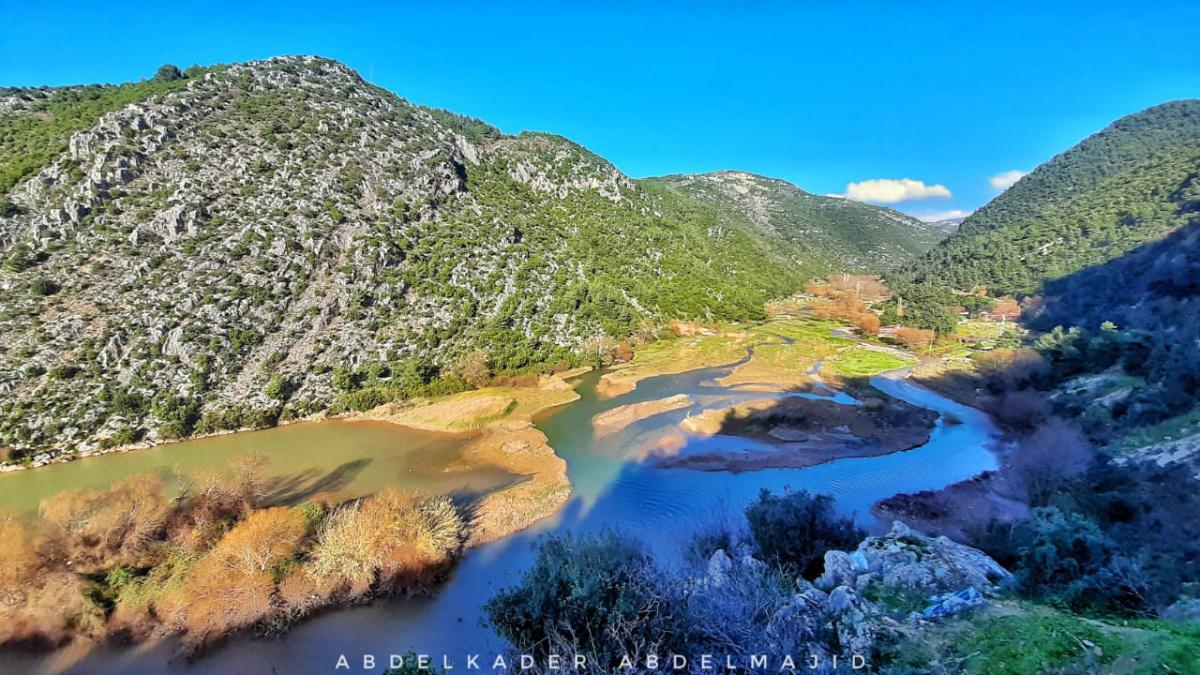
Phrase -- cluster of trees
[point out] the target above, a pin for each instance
(378, 382)
(131, 560)
(604, 597)
(1138, 312)
(846, 297)
(851, 298)
(1101, 539)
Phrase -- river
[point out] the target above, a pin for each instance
(611, 488)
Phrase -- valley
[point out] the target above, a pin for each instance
(611, 482)
(286, 356)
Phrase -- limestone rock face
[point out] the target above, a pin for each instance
(904, 557)
(814, 620)
(286, 218)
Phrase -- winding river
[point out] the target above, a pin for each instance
(611, 488)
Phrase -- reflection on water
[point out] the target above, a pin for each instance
(346, 458)
(609, 490)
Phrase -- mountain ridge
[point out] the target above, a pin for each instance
(1111, 192)
(275, 239)
(1126, 185)
(845, 235)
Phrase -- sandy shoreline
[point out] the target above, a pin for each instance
(507, 439)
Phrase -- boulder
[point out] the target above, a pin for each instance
(907, 558)
(720, 565)
(1185, 610)
(855, 620)
(802, 621)
(953, 603)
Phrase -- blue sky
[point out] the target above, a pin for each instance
(822, 94)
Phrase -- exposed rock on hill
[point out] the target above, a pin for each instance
(907, 558)
(262, 239)
(819, 233)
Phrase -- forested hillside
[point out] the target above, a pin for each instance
(1133, 182)
(1137, 315)
(822, 234)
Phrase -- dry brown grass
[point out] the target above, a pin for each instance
(461, 412)
(128, 562)
(392, 539)
(92, 528)
(697, 348)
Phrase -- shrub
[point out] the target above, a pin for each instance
(64, 372)
(792, 531)
(1066, 558)
(599, 596)
(43, 287)
(389, 539)
(474, 369)
(231, 587)
(916, 339)
(1056, 549)
(167, 73)
(366, 399)
(708, 539)
(1047, 459)
(278, 388)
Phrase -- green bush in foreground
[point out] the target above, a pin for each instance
(595, 595)
(792, 531)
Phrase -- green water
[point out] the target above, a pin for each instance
(344, 458)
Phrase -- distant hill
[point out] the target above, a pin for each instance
(947, 225)
(1130, 183)
(824, 233)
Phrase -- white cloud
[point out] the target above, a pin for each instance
(892, 190)
(1003, 181)
(933, 216)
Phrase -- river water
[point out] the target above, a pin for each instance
(611, 488)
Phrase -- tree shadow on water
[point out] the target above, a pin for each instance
(299, 487)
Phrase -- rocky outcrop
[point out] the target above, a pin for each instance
(906, 558)
(1184, 450)
(812, 621)
(823, 624)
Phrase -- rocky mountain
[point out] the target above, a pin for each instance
(220, 248)
(239, 241)
(821, 233)
(1133, 182)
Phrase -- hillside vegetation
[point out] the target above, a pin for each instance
(1131, 183)
(819, 234)
(228, 247)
